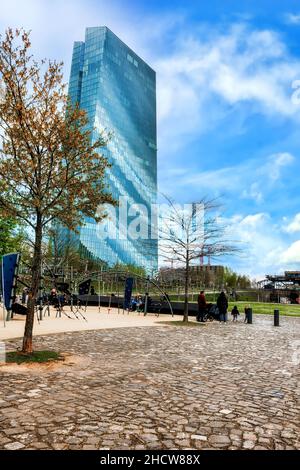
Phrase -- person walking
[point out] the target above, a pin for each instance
(222, 304)
(140, 303)
(246, 310)
(201, 306)
(235, 313)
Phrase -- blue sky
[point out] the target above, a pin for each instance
(227, 123)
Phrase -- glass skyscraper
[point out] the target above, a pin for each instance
(117, 89)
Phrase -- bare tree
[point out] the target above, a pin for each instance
(189, 232)
(50, 168)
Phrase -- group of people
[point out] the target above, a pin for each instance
(137, 303)
(222, 304)
(53, 297)
(60, 299)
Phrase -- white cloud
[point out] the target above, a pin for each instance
(292, 18)
(251, 179)
(254, 192)
(200, 73)
(292, 254)
(246, 66)
(56, 24)
(294, 225)
(264, 249)
(273, 168)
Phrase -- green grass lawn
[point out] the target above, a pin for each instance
(18, 357)
(267, 308)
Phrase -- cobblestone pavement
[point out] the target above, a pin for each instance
(213, 387)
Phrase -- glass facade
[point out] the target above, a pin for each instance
(117, 89)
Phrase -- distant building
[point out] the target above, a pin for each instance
(288, 279)
(204, 275)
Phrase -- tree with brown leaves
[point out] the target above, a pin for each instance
(50, 168)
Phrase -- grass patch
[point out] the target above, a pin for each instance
(262, 308)
(266, 308)
(18, 357)
(181, 323)
(259, 308)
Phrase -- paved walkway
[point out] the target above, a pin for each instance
(216, 386)
(69, 322)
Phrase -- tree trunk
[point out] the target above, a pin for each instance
(186, 289)
(34, 288)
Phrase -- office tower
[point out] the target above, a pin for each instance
(117, 90)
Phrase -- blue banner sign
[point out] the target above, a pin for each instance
(9, 271)
(128, 292)
(84, 287)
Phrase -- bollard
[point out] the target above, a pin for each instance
(146, 304)
(276, 317)
(249, 316)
